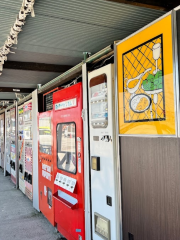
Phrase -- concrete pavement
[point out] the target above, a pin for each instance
(18, 219)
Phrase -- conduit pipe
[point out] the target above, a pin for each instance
(65, 77)
(73, 72)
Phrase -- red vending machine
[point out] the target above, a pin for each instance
(69, 162)
(46, 169)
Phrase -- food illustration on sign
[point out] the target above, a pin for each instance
(144, 82)
(140, 103)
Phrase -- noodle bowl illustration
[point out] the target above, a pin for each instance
(140, 103)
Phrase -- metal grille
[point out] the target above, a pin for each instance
(48, 100)
(143, 84)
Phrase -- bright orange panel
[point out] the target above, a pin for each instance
(146, 94)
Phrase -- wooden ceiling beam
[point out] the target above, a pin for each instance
(7, 100)
(164, 5)
(16, 90)
(31, 66)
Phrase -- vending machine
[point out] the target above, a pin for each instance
(21, 148)
(8, 142)
(105, 223)
(0, 142)
(69, 162)
(28, 156)
(2, 139)
(13, 144)
(46, 168)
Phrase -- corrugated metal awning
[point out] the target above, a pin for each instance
(62, 30)
(70, 27)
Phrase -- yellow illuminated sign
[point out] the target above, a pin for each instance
(146, 97)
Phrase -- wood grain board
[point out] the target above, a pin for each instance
(150, 188)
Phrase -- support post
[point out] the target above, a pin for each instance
(86, 154)
(5, 150)
(35, 149)
(16, 144)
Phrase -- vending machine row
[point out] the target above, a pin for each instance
(61, 159)
(61, 189)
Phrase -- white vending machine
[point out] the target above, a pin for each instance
(28, 153)
(2, 140)
(104, 189)
(13, 144)
(7, 142)
(21, 148)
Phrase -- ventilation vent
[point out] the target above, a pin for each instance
(49, 102)
(48, 99)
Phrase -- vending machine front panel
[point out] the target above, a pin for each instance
(103, 155)
(13, 144)
(2, 139)
(21, 148)
(28, 157)
(0, 142)
(8, 143)
(69, 162)
(46, 166)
